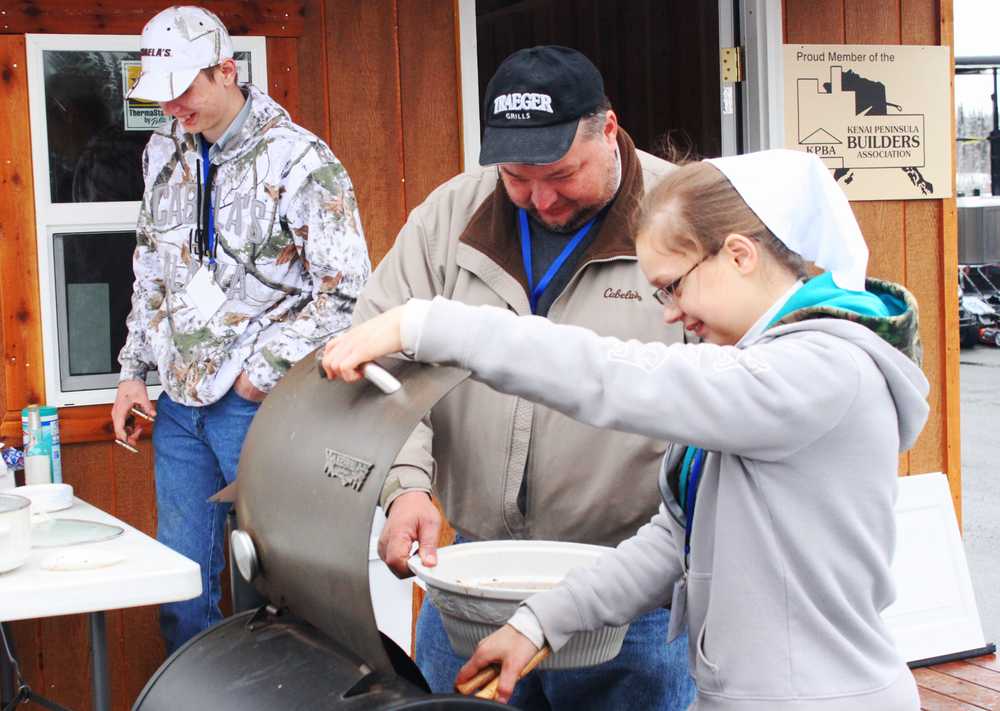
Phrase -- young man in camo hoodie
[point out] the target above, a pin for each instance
(249, 254)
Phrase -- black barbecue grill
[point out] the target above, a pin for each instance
(310, 474)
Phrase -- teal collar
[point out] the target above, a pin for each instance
(821, 291)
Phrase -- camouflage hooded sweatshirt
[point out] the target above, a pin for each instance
(291, 256)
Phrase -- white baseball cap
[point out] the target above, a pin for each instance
(177, 44)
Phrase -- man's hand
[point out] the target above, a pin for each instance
(346, 354)
(412, 517)
(247, 390)
(130, 392)
(508, 647)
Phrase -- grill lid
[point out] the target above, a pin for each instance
(310, 474)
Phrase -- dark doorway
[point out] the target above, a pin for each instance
(659, 58)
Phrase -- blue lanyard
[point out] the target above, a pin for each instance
(205, 167)
(693, 478)
(535, 291)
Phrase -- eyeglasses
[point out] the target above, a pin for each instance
(667, 295)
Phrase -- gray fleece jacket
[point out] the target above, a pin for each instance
(793, 535)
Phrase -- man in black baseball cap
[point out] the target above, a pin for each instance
(534, 104)
(548, 231)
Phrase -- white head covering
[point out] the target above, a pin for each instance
(794, 195)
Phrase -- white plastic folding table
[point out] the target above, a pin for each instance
(148, 573)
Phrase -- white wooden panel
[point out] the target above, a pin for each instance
(935, 610)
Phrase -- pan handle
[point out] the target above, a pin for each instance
(374, 374)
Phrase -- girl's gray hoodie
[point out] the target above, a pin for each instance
(793, 534)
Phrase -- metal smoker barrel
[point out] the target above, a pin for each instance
(310, 475)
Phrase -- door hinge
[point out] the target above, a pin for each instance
(731, 64)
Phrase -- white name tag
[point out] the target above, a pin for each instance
(204, 294)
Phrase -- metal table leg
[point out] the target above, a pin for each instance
(6, 672)
(99, 662)
(22, 692)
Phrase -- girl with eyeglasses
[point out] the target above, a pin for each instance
(776, 531)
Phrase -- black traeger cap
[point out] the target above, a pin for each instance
(535, 101)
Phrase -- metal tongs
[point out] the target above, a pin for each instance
(484, 685)
(136, 411)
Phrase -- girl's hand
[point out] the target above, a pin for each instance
(508, 647)
(346, 354)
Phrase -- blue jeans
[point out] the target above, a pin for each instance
(648, 674)
(196, 450)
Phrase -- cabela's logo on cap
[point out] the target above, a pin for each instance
(510, 104)
(154, 52)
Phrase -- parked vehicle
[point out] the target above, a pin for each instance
(976, 313)
(985, 280)
(990, 335)
(968, 326)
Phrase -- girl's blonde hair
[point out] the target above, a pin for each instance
(697, 207)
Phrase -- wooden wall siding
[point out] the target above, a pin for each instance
(913, 242)
(22, 345)
(282, 72)
(659, 79)
(273, 18)
(393, 111)
(429, 97)
(314, 100)
(362, 55)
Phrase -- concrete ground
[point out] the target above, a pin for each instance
(980, 405)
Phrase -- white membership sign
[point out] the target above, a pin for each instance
(878, 115)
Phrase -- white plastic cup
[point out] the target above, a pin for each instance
(7, 480)
(15, 531)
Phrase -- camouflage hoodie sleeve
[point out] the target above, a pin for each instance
(136, 356)
(322, 216)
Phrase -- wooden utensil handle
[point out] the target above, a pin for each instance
(490, 690)
(484, 676)
(535, 661)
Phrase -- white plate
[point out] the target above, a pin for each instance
(46, 498)
(55, 532)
